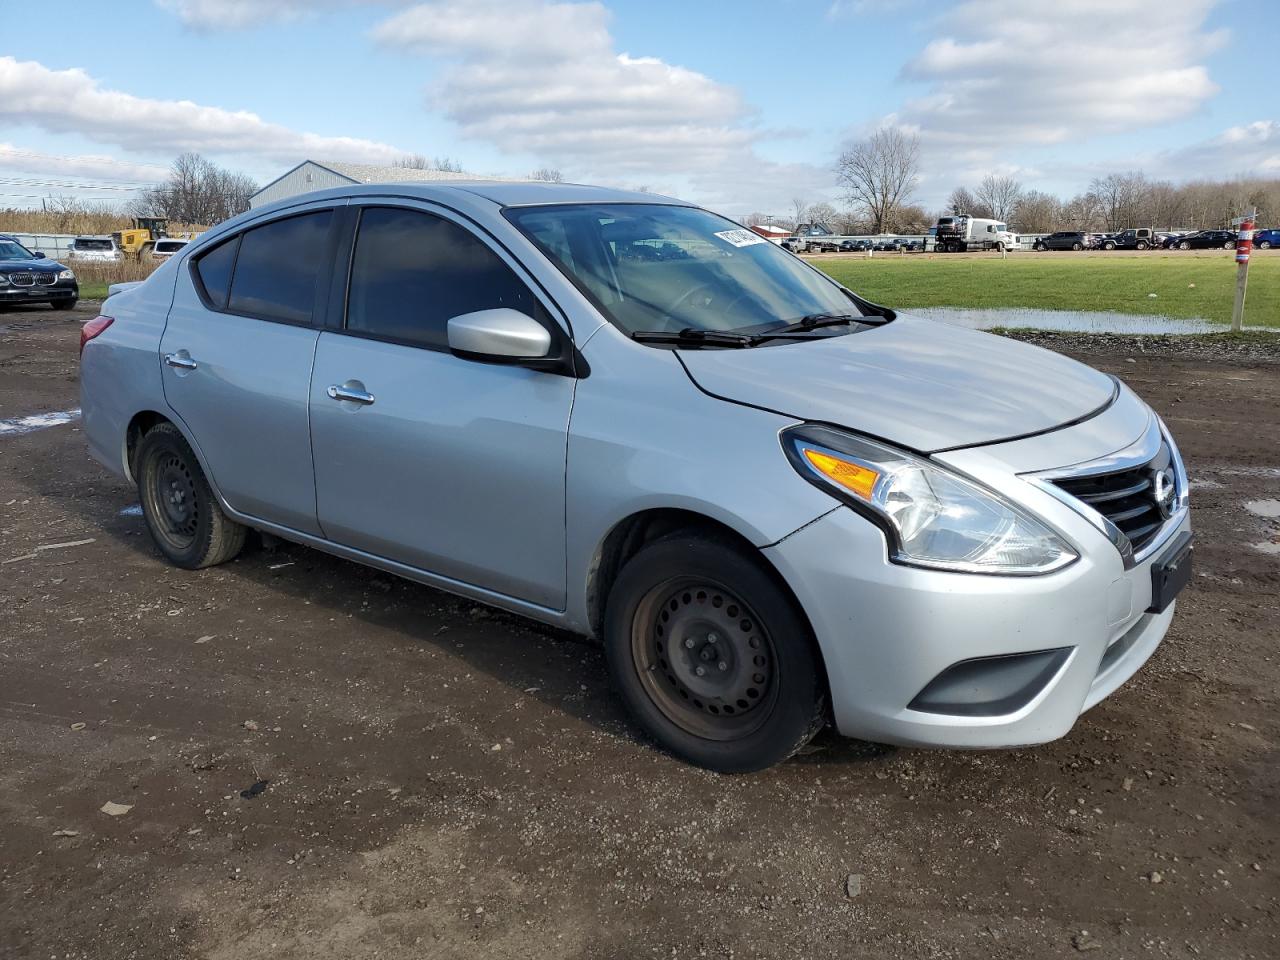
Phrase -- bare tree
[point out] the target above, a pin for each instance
(880, 174)
(1121, 197)
(961, 201)
(822, 213)
(1037, 212)
(548, 174)
(418, 161)
(799, 211)
(999, 194)
(197, 192)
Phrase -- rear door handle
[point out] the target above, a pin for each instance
(353, 394)
(180, 360)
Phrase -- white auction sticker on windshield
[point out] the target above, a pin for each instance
(741, 238)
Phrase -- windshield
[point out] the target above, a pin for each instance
(12, 250)
(656, 267)
(92, 244)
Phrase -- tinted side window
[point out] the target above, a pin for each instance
(214, 270)
(275, 275)
(412, 271)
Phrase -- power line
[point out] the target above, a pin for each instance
(47, 156)
(69, 184)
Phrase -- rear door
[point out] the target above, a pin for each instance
(236, 357)
(446, 464)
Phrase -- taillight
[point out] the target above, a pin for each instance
(93, 328)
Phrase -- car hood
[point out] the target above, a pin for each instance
(918, 383)
(32, 266)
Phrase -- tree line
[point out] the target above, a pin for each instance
(880, 175)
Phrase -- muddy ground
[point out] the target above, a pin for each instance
(447, 781)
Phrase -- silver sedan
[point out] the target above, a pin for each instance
(776, 504)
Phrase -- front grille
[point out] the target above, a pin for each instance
(46, 279)
(1126, 498)
(22, 279)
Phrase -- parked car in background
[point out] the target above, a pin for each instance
(794, 244)
(95, 249)
(164, 249)
(1205, 240)
(931, 535)
(1266, 239)
(1135, 238)
(854, 246)
(27, 277)
(1063, 240)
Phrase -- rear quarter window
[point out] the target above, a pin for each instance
(213, 272)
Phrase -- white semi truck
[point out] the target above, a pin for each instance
(962, 233)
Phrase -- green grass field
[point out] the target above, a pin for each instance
(1186, 287)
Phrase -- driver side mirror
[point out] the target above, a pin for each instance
(38, 255)
(501, 335)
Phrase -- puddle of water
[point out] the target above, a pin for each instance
(134, 511)
(39, 421)
(1064, 321)
(1264, 508)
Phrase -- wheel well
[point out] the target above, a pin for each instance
(631, 535)
(138, 427)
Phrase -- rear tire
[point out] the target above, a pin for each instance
(685, 604)
(178, 504)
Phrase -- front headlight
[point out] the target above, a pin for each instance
(4, 280)
(66, 275)
(931, 516)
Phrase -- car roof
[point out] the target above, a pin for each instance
(515, 193)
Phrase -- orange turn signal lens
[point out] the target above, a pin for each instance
(852, 476)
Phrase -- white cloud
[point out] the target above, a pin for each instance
(1249, 149)
(544, 78)
(237, 14)
(1007, 75)
(71, 101)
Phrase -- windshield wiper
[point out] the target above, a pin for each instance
(690, 337)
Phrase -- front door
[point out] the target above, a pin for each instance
(236, 363)
(449, 465)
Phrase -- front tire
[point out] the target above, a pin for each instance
(712, 655)
(1265, 245)
(178, 504)
(1184, 245)
(1076, 246)
(63, 304)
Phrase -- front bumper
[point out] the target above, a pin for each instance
(886, 631)
(40, 293)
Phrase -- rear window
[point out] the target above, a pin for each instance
(91, 244)
(214, 271)
(277, 267)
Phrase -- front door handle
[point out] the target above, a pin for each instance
(354, 394)
(181, 360)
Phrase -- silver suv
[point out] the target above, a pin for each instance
(775, 503)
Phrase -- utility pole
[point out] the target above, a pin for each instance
(1244, 246)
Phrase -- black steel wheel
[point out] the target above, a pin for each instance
(704, 658)
(180, 508)
(712, 656)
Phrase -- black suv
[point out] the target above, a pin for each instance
(1205, 240)
(27, 277)
(1063, 240)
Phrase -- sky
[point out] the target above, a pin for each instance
(742, 106)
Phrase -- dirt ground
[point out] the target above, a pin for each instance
(443, 780)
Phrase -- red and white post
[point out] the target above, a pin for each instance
(1244, 247)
